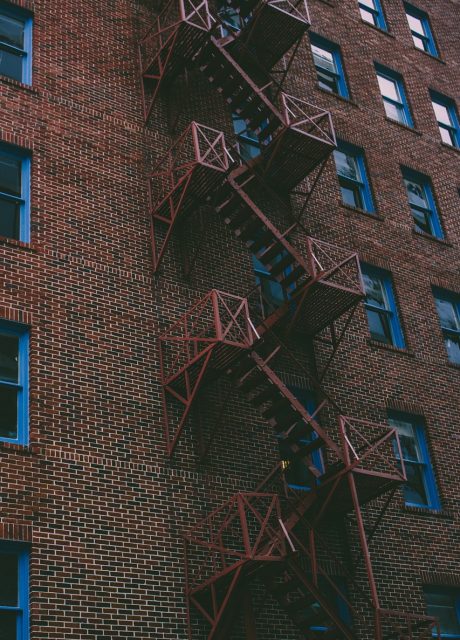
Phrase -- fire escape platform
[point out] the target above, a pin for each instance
(291, 156)
(273, 29)
(323, 303)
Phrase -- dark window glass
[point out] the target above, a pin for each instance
(448, 308)
(9, 349)
(9, 412)
(444, 604)
(8, 625)
(10, 216)
(10, 175)
(12, 31)
(8, 580)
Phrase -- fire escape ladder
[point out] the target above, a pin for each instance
(287, 416)
(302, 600)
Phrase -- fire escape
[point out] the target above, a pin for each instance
(271, 537)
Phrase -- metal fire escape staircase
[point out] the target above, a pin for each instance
(261, 535)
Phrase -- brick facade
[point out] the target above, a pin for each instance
(94, 493)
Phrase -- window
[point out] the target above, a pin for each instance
(371, 12)
(447, 118)
(420, 29)
(420, 489)
(297, 473)
(14, 193)
(14, 591)
(13, 383)
(272, 294)
(249, 144)
(328, 64)
(448, 308)
(351, 172)
(15, 44)
(422, 204)
(380, 305)
(393, 94)
(444, 603)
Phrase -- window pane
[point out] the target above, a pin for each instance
(388, 88)
(442, 113)
(422, 220)
(9, 412)
(351, 196)
(408, 440)
(379, 326)
(327, 82)
(453, 347)
(447, 314)
(9, 349)
(12, 31)
(323, 58)
(375, 293)
(11, 64)
(9, 218)
(368, 16)
(10, 174)
(8, 580)
(416, 24)
(346, 165)
(414, 488)
(368, 3)
(416, 193)
(447, 136)
(7, 626)
(420, 43)
(394, 112)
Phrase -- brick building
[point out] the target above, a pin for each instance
(223, 229)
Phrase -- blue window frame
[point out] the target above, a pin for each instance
(351, 172)
(14, 375)
(328, 64)
(380, 305)
(446, 114)
(14, 193)
(394, 96)
(15, 43)
(14, 591)
(372, 13)
(297, 474)
(448, 308)
(422, 204)
(444, 603)
(420, 489)
(420, 29)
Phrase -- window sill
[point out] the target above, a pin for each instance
(426, 511)
(454, 365)
(404, 126)
(430, 55)
(24, 449)
(339, 97)
(385, 32)
(363, 212)
(19, 85)
(18, 244)
(390, 347)
(427, 236)
(450, 146)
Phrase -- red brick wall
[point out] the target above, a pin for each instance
(94, 492)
